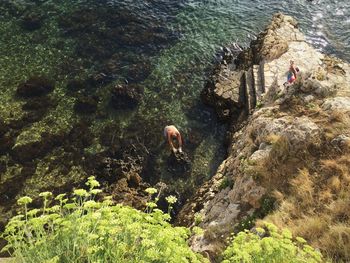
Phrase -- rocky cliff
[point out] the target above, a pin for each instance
(288, 157)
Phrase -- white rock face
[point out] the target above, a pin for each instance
(260, 154)
(301, 133)
(341, 104)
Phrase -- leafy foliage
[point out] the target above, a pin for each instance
(267, 205)
(83, 230)
(269, 245)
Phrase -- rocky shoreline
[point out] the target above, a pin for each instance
(51, 142)
(279, 133)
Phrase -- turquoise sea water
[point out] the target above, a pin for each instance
(165, 48)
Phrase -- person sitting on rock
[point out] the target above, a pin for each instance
(172, 135)
(292, 73)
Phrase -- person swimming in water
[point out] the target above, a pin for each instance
(172, 135)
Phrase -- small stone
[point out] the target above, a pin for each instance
(308, 98)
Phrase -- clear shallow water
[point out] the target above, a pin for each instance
(164, 47)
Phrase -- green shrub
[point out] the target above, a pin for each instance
(269, 245)
(83, 230)
(226, 182)
(266, 206)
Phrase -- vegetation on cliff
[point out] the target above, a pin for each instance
(270, 245)
(79, 229)
(313, 195)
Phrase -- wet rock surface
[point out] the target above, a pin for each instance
(223, 90)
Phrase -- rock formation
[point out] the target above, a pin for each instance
(282, 130)
(35, 86)
(126, 96)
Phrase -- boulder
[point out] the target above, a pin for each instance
(179, 163)
(317, 83)
(274, 41)
(341, 104)
(35, 86)
(261, 154)
(76, 85)
(85, 104)
(223, 93)
(299, 132)
(302, 132)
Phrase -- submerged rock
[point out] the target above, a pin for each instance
(100, 78)
(85, 104)
(6, 143)
(126, 96)
(179, 163)
(35, 86)
(78, 138)
(38, 103)
(139, 71)
(32, 20)
(76, 85)
(3, 128)
(28, 151)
